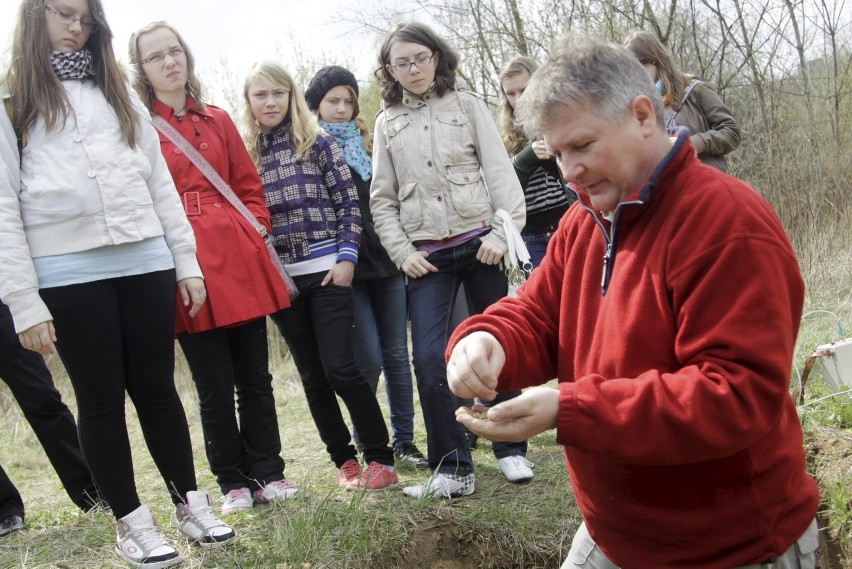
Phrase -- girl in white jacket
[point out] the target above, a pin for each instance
(440, 173)
(94, 243)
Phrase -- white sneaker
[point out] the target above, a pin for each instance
(140, 544)
(237, 500)
(442, 485)
(276, 491)
(198, 523)
(516, 468)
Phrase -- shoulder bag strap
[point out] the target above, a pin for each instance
(222, 186)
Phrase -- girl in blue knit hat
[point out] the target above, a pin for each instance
(381, 336)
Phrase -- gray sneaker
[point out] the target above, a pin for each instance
(516, 468)
(199, 524)
(442, 485)
(140, 544)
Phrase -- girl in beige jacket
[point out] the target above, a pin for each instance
(440, 174)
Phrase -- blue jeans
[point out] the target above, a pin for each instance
(381, 343)
(431, 300)
(501, 449)
(536, 245)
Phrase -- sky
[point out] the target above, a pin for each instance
(240, 32)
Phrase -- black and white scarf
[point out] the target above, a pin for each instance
(71, 65)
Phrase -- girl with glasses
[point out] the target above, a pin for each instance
(95, 244)
(440, 174)
(316, 229)
(225, 343)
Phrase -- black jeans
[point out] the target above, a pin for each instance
(318, 329)
(117, 335)
(223, 360)
(10, 499)
(32, 386)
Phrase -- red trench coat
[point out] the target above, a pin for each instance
(242, 284)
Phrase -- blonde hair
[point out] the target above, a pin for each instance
(359, 121)
(513, 137)
(303, 124)
(38, 92)
(193, 86)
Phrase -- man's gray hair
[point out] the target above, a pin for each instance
(583, 70)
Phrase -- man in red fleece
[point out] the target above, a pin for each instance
(667, 307)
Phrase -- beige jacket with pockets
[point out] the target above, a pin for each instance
(440, 169)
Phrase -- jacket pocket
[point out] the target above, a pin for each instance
(410, 208)
(468, 194)
(453, 130)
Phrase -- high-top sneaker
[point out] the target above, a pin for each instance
(140, 544)
(199, 524)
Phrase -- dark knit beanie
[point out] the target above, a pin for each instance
(324, 81)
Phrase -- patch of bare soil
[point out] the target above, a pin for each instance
(443, 545)
(830, 459)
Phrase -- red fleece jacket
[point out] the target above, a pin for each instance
(684, 447)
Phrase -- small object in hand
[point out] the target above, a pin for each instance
(479, 411)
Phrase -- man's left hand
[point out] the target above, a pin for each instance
(532, 412)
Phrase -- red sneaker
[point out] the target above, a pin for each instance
(376, 477)
(350, 473)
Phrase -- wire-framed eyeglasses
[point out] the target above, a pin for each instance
(160, 57)
(86, 23)
(419, 63)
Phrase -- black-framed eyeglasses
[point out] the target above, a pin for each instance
(87, 24)
(419, 63)
(159, 57)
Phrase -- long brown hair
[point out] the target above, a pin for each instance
(193, 87)
(303, 124)
(513, 137)
(648, 49)
(38, 92)
(415, 32)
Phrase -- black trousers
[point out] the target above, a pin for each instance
(32, 386)
(223, 360)
(318, 329)
(116, 336)
(10, 499)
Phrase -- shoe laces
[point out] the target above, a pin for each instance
(373, 470)
(206, 517)
(522, 459)
(350, 469)
(148, 538)
(281, 485)
(238, 494)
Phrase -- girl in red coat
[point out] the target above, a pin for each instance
(225, 344)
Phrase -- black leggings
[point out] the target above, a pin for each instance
(117, 335)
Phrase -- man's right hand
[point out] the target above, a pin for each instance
(474, 366)
(39, 338)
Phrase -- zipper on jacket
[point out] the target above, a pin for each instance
(611, 239)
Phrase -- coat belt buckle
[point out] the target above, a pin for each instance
(191, 203)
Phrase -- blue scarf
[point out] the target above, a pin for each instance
(352, 144)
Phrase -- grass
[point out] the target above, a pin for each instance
(501, 525)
